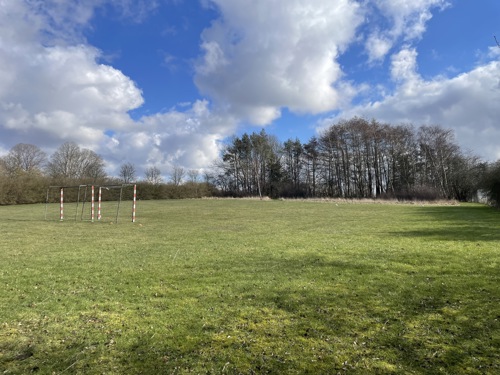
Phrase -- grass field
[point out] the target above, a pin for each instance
(252, 287)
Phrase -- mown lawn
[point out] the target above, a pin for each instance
(252, 287)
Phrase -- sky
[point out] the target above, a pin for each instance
(167, 83)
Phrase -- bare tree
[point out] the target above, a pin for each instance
(311, 165)
(177, 176)
(293, 162)
(193, 175)
(153, 176)
(65, 162)
(3, 169)
(264, 158)
(438, 149)
(71, 162)
(24, 157)
(92, 165)
(127, 173)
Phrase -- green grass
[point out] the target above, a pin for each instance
(252, 287)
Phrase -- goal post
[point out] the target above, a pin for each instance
(61, 205)
(134, 200)
(63, 199)
(110, 199)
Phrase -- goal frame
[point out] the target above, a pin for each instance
(99, 191)
(92, 200)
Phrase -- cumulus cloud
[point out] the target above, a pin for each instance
(404, 66)
(256, 61)
(55, 93)
(378, 45)
(407, 21)
(253, 64)
(466, 103)
(191, 138)
(53, 90)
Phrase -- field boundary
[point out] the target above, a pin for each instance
(440, 202)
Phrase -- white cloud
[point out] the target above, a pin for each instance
(54, 93)
(265, 55)
(466, 103)
(378, 46)
(404, 66)
(52, 90)
(190, 139)
(254, 63)
(62, 92)
(53, 21)
(407, 21)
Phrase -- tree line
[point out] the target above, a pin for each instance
(356, 158)
(353, 158)
(26, 172)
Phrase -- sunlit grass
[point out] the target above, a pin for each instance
(234, 286)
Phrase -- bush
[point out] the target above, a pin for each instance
(491, 184)
(421, 193)
(23, 188)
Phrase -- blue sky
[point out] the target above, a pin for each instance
(166, 82)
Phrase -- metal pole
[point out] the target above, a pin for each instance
(61, 205)
(78, 200)
(133, 203)
(99, 199)
(46, 203)
(92, 205)
(119, 201)
(84, 200)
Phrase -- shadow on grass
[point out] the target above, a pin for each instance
(307, 313)
(26, 219)
(418, 324)
(313, 315)
(455, 223)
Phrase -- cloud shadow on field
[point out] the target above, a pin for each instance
(422, 322)
(470, 223)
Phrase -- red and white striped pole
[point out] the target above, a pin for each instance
(92, 200)
(61, 205)
(99, 204)
(133, 203)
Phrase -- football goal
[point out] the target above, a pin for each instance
(107, 203)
